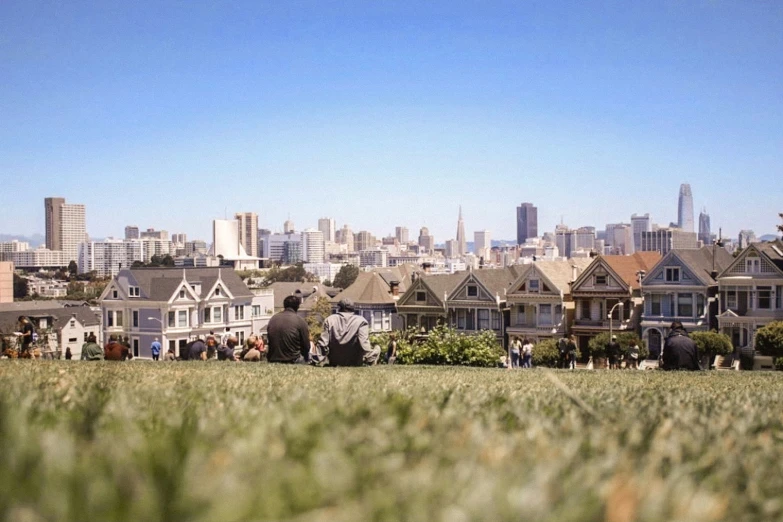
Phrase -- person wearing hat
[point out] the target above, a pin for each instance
(345, 339)
(679, 350)
(613, 353)
(288, 334)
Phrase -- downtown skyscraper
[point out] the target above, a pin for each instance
(527, 222)
(65, 227)
(705, 234)
(462, 245)
(685, 209)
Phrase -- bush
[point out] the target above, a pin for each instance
(444, 345)
(597, 344)
(779, 364)
(712, 343)
(545, 353)
(769, 339)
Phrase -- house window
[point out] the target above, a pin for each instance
(731, 299)
(495, 320)
(461, 319)
(217, 314)
(207, 315)
(377, 321)
(764, 297)
(387, 321)
(685, 305)
(779, 297)
(472, 291)
(135, 347)
(256, 310)
(114, 294)
(600, 280)
(109, 318)
(239, 313)
(421, 297)
(700, 305)
(73, 323)
(752, 265)
(471, 320)
(133, 291)
(135, 318)
(86, 335)
(73, 339)
(533, 286)
(118, 318)
(673, 274)
(655, 304)
(182, 294)
(182, 318)
(240, 335)
(585, 308)
(521, 317)
(545, 314)
(610, 305)
(172, 319)
(217, 292)
(483, 319)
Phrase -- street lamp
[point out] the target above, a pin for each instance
(609, 316)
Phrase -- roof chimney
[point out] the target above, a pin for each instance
(395, 288)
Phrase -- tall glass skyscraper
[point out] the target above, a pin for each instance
(527, 222)
(705, 234)
(685, 209)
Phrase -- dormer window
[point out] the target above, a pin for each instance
(600, 280)
(472, 291)
(114, 294)
(533, 286)
(752, 265)
(133, 291)
(673, 274)
(182, 294)
(217, 292)
(421, 297)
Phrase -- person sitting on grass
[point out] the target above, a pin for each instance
(170, 356)
(679, 350)
(288, 334)
(91, 350)
(345, 339)
(113, 351)
(254, 352)
(197, 351)
(226, 352)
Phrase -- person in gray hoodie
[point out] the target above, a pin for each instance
(345, 339)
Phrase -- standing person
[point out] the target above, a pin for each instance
(289, 336)
(26, 339)
(613, 352)
(91, 350)
(391, 350)
(516, 352)
(155, 350)
(68, 354)
(197, 351)
(114, 349)
(572, 352)
(679, 350)
(562, 350)
(527, 354)
(345, 340)
(633, 357)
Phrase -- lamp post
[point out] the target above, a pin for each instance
(609, 316)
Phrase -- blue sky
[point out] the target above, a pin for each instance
(171, 114)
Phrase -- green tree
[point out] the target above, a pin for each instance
(597, 345)
(73, 268)
(769, 339)
(20, 287)
(712, 344)
(292, 274)
(167, 260)
(318, 313)
(346, 276)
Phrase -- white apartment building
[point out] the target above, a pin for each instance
(313, 246)
(248, 232)
(9, 247)
(373, 258)
(110, 256)
(324, 271)
(39, 258)
(327, 226)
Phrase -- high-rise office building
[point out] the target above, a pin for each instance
(401, 233)
(313, 246)
(288, 226)
(685, 209)
(482, 243)
(131, 232)
(248, 231)
(151, 233)
(619, 236)
(705, 234)
(65, 227)
(665, 239)
(452, 249)
(527, 222)
(426, 241)
(364, 240)
(745, 238)
(462, 247)
(327, 227)
(179, 239)
(639, 224)
(346, 238)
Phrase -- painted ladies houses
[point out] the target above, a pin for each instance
(540, 301)
(599, 291)
(469, 301)
(176, 304)
(751, 293)
(682, 287)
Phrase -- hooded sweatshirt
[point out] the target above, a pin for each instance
(345, 339)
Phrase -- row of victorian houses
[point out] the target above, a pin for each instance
(705, 289)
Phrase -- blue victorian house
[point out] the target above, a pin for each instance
(683, 287)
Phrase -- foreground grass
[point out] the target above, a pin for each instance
(224, 442)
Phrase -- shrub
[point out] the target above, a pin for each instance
(597, 344)
(712, 343)
(444, 345)
(769, 339)
(545, 353)
(779, 364)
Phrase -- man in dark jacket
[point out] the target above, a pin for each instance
(289, 336)
(345, 338)
(679, 350)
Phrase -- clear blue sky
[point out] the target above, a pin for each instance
(169, 114)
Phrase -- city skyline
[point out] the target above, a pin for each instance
(384, 116)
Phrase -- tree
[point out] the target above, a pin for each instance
(292, 274)
(769, 339)
(318, 313)
(597, 344)
(167, 260)
(780, 227)
(73, 268)
(20, 287)
(346, 276)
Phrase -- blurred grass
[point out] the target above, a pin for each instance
(226, 442)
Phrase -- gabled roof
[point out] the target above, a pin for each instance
(497, 280)
(771, 250)
(699, 261)
(437, 284)
(307, 290)
(61, 316)
(403, 274)
(159, 284)
(627, 267)
(368, 289)
(559, 273)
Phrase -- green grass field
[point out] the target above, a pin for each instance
(223, 442)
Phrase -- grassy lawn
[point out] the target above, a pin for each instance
(224, 442)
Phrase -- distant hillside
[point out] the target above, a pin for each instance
(768, 237)
(35, 240)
